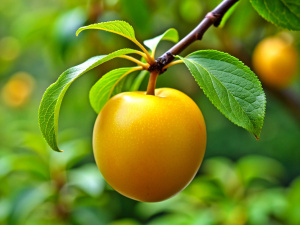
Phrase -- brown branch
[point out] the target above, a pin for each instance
(212, 18)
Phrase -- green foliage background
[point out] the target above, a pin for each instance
(241, 181)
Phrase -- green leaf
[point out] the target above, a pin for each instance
(103, 89)
(227, 15)
(283, 13)
(28, 200)
(51, 102)
(170, 35)
(118, 87)
(118, 27)
(231, 86)
(138, 80)
(256, 166)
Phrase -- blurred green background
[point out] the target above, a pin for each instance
(241, 180)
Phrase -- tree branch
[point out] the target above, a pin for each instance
(212, 18)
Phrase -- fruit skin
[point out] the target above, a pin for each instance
(275, 61)
(147, 147)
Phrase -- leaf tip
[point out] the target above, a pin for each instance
(54, 147)
(257, 137)
(59, 151)
(78, 31)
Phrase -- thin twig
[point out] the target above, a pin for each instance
(212, 18)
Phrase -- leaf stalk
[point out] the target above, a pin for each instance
(171, 64)
(147, 56)
(144, 65)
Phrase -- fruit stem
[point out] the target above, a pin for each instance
(152, 82)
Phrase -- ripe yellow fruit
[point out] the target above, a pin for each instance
(147, 147)
(275, 61)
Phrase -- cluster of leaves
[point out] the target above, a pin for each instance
(245, 192)
(230, 85)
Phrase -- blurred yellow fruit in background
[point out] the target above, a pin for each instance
(275, 61)
(148, 147)
(18, 89)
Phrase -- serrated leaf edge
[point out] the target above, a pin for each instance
(270, 21)
(146, 54)
(55, 114)
(88, 27)
(247, 69)
(133, 69)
